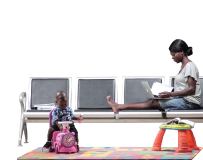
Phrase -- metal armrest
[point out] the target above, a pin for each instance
(22, 99)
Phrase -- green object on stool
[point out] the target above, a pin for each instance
(166, 126)
(175, 126)
(181, 127)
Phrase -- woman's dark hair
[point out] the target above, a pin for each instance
(179, 45)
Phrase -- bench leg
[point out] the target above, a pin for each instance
(116, 115)
(21, 131)
(25, 132)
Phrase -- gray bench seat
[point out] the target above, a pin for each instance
(133, 92)
(91, 97)
(91, 102)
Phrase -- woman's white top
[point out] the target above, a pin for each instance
(181, 82)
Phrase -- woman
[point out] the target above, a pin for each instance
(187, 91)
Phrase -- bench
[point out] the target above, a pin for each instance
(90, 100)
(134, 84)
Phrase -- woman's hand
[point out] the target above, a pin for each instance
(165, 95)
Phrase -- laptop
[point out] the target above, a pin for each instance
(149, 92)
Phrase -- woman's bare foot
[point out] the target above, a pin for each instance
(112, 104)
(111, 101)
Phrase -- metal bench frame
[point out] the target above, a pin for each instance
(135, 116)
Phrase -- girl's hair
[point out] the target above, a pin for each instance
(179, 45)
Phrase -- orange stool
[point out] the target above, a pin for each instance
(186, 141)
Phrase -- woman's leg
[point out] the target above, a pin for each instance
(151, 104)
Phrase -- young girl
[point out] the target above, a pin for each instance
(187, 91)
(62, 113)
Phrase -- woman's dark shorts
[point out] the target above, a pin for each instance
(72, 127)
(177, 103)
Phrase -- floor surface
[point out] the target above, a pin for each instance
(112, 153)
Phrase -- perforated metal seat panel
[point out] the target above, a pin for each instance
(43, 90)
